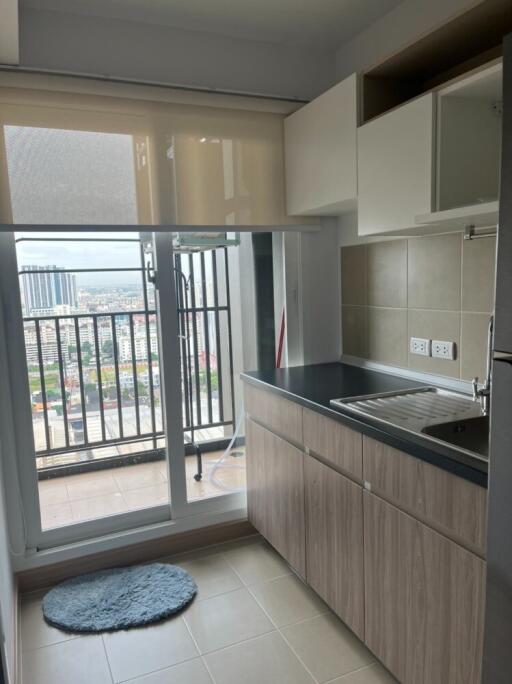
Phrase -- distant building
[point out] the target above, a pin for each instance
(43, 290)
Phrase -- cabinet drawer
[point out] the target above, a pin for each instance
(280, 415)
(334, 442)
(449, 503)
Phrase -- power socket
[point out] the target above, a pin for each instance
(420, 346)
(443, 350)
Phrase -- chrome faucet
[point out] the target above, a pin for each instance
(484, 393)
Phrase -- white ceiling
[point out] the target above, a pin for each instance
(319, 24)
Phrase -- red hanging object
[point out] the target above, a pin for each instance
(281, 341)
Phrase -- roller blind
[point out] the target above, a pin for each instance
(68, 158)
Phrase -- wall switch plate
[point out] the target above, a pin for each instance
(419, 345)
(443, 350)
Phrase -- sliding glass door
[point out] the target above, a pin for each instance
(119, 349)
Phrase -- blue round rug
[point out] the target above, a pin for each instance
(119, 598)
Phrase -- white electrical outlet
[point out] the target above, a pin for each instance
(443, 350)
(420, 346)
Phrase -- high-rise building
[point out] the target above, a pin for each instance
(45, 287)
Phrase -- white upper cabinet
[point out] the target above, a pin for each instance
(469, 125)
(434, 162)
(321, 153)
(395, 168)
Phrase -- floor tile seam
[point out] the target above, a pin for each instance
(203, 660)
(278, 630)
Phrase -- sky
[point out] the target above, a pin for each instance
(84, 255)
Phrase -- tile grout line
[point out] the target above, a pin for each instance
(327, 611)
(106, 658)
(203, 660)
(349, 674)
(278, 630)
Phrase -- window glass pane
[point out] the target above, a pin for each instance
(70, 177)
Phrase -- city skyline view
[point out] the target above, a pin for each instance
(92, 349)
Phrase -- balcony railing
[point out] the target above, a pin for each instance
(95, 377)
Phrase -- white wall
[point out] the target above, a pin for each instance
(407, 23)
(8, 596)
(307, 274)
(133, 50)
(321, 294)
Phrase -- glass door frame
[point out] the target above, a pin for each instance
(18, 391)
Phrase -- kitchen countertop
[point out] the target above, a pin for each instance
(314, 386)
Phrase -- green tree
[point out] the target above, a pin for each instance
(87, 348)
(108, 348)
(71, 350)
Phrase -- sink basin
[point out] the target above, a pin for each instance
(437, 414)
(471, 434)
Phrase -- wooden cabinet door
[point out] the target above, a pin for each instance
(334, 541)
(395, 167)
(424, 599)
(321, 153)
(275, 493)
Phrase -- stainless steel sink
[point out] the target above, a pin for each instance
(470, 435)
(433, 412)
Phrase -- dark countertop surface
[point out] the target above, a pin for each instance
(314, 386)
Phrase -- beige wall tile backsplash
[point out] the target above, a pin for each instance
(438, 287)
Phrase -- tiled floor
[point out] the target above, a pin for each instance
(252, 622)
(75, 498)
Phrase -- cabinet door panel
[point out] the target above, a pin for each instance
(275, 493)
(395, 167)
(334, 541)
(424, 599)
(256, 470)
(320, 153)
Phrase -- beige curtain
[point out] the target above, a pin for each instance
(183, 163)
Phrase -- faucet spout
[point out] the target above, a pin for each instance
(484, 393)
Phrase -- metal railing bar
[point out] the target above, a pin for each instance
(81, 380)
(116, 370)
(42, 380)
(192, 281)
(148, 344)
(98, 376)
(83, 270)
(206, 426)
(114, 441)
(230, 339)
(217, 336)
(182, 318)
(135, 312)
(206, 340)
(202, 309)
(135, 379)
(99, 314)
(68, 239)
(143, 437)
(62, 382)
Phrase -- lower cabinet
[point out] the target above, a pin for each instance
(334, 541)
(424, 599)
(275, 493)
(414, 596)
